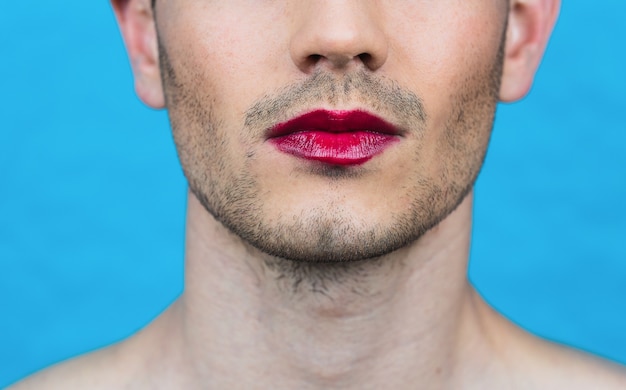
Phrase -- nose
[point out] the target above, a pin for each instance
(338, 35)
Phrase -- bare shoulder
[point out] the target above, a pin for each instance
(144, 360)
(526, 361)
(98, 370)
(546, 365)
(570, 369)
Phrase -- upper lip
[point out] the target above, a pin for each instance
(335, 121)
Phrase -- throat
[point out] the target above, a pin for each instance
(345, 325)
(378, 323)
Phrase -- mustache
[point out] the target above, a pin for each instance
(400, 106)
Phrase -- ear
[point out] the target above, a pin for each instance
(137, 24)
(529, 27)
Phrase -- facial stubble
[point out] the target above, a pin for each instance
(323, 245)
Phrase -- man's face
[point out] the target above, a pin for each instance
(235, 71)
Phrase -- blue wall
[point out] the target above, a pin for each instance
(92, 198)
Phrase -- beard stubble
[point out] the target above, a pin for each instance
(325, 245)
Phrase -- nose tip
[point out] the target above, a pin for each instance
(339, 36)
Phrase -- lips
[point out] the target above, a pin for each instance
(334, 137)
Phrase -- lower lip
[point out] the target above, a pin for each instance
(345, 148)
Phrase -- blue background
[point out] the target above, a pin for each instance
(92, 198)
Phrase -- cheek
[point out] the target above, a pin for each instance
(208, 89)
(441, 44)
(454, 65)
(218, 51)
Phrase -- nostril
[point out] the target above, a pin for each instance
(337, 61)
(365, 58)
(312, 60)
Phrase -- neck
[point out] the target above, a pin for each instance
(392, 322)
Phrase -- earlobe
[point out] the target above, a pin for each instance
(137, 24)
(530, 24)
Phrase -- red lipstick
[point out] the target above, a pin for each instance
(334, 137)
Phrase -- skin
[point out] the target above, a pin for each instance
(316, 277)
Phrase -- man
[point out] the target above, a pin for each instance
(331, 148)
